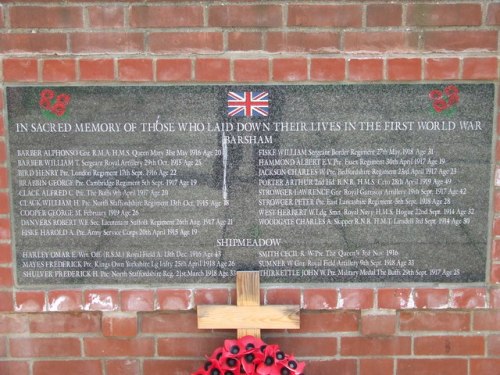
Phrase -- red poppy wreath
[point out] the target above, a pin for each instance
(250, 355)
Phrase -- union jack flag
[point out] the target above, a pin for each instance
(248, 104)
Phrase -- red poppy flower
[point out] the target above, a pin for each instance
(451, 90)
(250, 360)
(293, 366)
(45, 103)
(230, 365)
(435, 94)
(217, 353)
(213, 367)
(229, 361)
(59, 109)
(250, 343)
(47, 94)
(284, 370)
(63, 98)
(453, 99)
(439, 105)
(233, 346)
(270, 364)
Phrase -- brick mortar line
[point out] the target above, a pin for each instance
(461, 67)
(62, 335)
(484, 11)
(336, 334)
(498, 28)
(263, 29)
(255, 2)
(214, 3)
(139, 83)
(6, 16)
(404, 14)
(154, 69)
(161, 335)
(201, 357)
(334, 357)
(85, 17)
(364, 16)
(41, 57)
(126, 16)
(205, 12)
(487, 287)
(43, 310)
(333, 334)
(385, 70)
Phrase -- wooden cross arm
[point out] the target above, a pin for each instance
(248, 317)
(238, 317)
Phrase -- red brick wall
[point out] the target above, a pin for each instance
(346, 329)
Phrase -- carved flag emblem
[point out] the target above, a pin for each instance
(248, 104)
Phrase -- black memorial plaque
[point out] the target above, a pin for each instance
(165, 185)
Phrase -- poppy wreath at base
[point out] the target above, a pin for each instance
(250, 355)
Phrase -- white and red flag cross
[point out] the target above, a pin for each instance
(248, 104)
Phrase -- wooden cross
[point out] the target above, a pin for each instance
(248, 316)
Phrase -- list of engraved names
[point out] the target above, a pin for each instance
(80, 193)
